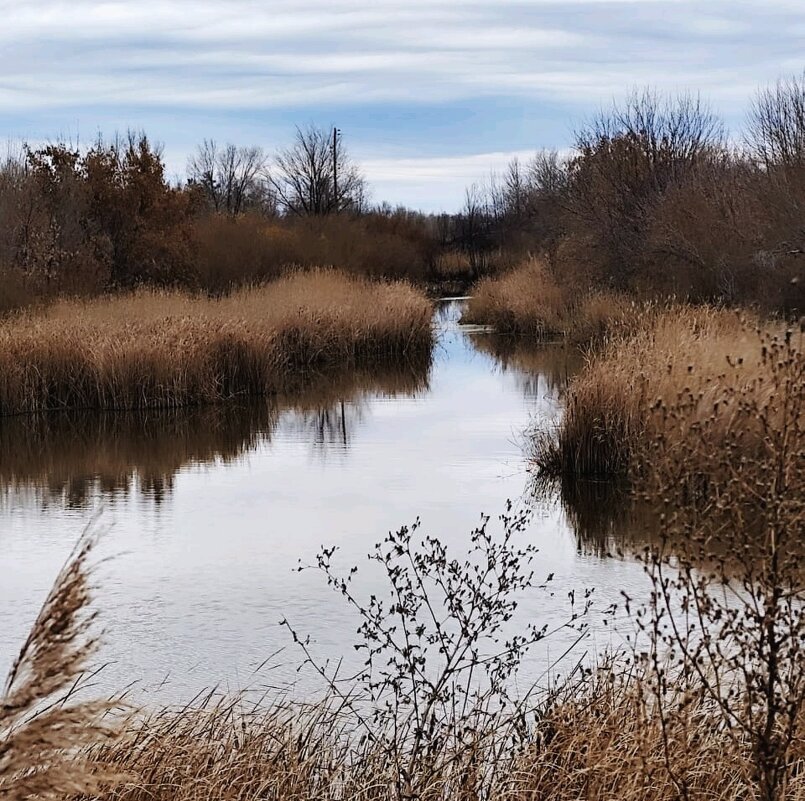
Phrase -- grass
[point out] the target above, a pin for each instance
(153, 349)
(528, 301)
(689, 373)
(596, 738)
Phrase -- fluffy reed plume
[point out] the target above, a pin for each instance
(528, 301)
(169, 349)
(44, 736)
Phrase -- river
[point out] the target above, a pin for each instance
(206, 514)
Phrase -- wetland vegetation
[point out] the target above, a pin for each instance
(160, 348)
(671, 256)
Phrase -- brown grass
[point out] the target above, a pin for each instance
(687, 373)
(528, 301)
(170, 349)
(45, 733)
(596, 738)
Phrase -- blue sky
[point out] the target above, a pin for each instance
(430, 94)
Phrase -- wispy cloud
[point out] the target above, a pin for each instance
(245, 54)
(257, 61)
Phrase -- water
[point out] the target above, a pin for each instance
(207, 514)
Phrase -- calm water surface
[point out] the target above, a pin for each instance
(208, 513)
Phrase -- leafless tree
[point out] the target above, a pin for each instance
(776, 130)
(231, 177)
(626, 159)
(303, 176)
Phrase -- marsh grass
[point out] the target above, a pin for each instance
(528, 301)
(46, 730)
(154, 349)
(599, 736)
(687, 373)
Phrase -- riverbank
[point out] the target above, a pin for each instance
(695, 390)
(155, 349)
(636, 728)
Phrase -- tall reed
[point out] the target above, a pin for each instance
(688, 371)
(529, 301)
(170, 349)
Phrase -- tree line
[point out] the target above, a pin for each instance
(654, 198)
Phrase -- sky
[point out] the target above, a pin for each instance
(430, 95)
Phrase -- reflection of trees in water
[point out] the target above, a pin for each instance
(541, 369)
(71, 459)
(330, 428)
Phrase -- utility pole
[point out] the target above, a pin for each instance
(336, 134)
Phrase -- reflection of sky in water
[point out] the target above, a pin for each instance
(200, 579)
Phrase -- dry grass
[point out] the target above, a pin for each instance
(528, 301)
(170, 349)
(45, 734)
(595, 738)
(686, 374)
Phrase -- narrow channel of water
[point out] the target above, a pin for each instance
(207, 513)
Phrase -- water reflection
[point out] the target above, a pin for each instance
(606, 519)
(72, 459)
(541, 369)
(210, 510)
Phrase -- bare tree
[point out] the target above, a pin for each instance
(626, 159)
(776, 130)
(303, 176)
(231, 177)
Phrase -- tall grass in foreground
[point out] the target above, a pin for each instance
(45, 735)
(528, 301)
(596, 738)
(169, 349)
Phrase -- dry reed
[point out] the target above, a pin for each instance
(170, 349)
(599, 737)
(686, 372)
(45, 734)
(528, 301)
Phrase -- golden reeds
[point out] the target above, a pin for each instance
(686, 372)
(599, 737)
(170, 349)
(529, 301)
(46, 735)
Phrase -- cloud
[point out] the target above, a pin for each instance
(244, 54)
(506, 69)
(433, 183)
